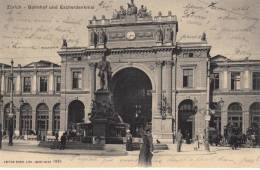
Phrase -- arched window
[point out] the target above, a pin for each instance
(26, 118)
(255, 114)
(235, 114)
(186, 122)
(56, 118)
(42, 119)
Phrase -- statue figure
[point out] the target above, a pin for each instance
(122, 11)
(64, 44)
(203, 37)
(93, 38)
(104, 73)
(132, 9)
(119, 14)
(159, 35)
(142, 12)
(102, 37)
(168, 37)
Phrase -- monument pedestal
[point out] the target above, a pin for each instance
(99, 131)
(101, 114)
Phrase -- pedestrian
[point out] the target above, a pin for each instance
(10, 134)
(179, 140)
(56, 136)
(146, 151)
(197, 143)
(129, 141)
(1, 136)
(63, 141)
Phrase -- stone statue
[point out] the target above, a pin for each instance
(159, 35)
(132, 9)
(204, 37)
(142, 12)
(119, 14)
(104, 73)
(168, 37)
(64, 44)
(102, 37)
(93, 37)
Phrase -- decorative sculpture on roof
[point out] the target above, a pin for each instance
(132, 9)
(93, 37)
(142, 12)
(119, 14)
(102, 38)
(159, 35)
(64, 44)
(204, 37)
(168, 37)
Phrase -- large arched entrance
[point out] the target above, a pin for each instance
(186, 118)
(25, 119)
(255, 114)
(76, 113)
(131, 89)
(235, 115)
(42, 120)
(56, 118)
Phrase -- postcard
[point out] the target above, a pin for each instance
(130, 83)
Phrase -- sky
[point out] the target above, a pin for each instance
(33, 30)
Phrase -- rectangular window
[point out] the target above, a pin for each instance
(58, 83)
(235, 81)
(43, 84)
(9, 83)
(27, 84)
(256, 81)
(215, 81)
(188, 78)
(77, 80)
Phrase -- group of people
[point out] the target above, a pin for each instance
(60, 144)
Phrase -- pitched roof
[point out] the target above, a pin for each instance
(42, 63)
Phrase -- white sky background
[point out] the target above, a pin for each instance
(232, 26)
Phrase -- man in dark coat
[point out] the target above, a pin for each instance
(179, 140)
(146, 151)
(1, 136)
(63, 141)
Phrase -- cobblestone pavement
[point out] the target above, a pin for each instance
(19, 156)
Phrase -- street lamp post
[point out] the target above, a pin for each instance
(11, 112)
(24, 123)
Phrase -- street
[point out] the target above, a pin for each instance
(218, 157)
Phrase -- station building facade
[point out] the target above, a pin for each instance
(155, 80)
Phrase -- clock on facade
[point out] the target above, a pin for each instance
(130, 35)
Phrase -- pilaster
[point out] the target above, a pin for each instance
(92, 67)
(159, 85)
(169, 65)
(245, 121)
(50, 124)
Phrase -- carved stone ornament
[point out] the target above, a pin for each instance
(159, 35)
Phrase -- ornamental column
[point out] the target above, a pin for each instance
(168, 76)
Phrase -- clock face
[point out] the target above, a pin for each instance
(130, 35)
